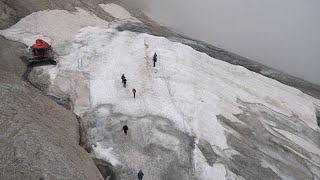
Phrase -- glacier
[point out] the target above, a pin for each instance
(194, 117)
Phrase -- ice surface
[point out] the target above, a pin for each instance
(58, 27)
(300, 141)
(206, 172)
(106, 154)
(307, 159)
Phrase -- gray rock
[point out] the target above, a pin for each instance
(12, 56)
(38, 138)
(39, 79)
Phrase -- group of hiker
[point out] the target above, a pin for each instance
(124, 82)
(125, 127)
(124, 79)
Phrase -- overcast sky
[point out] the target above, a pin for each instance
(284, 34)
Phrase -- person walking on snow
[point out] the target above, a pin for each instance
(122, 77)
(140, 175)
(124, 80)
(154, 59)
(125, 129)
(134, 92)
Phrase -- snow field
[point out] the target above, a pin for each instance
(106, 153)
(206, 172)
(181, 87)
(57, 27)
(116, 11)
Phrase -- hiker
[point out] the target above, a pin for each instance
(154, 59)
(124, 82)
(122, 77)
(125, 129)
(134, 92)
(140, 175)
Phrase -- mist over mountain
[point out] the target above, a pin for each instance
(281, 34)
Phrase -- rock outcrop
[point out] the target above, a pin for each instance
(39, 139)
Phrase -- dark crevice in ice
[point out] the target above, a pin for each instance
(318, 117)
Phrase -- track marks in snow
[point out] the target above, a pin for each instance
(155, 73)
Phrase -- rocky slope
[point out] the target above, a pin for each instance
(39, 138)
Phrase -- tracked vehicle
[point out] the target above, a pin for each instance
(41, 52)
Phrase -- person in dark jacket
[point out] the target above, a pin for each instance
(122, 77)
(125, 129)
(124, 82)
(155, 57)
(134, 92)
(140, 175)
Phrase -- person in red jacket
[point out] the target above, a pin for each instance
(134, 92)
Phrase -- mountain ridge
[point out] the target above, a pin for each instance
(193, 113)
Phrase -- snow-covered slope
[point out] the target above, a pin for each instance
(194, 117)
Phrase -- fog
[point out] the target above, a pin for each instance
(284, 34)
